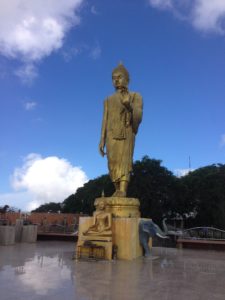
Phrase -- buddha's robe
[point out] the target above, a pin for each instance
(119, 127)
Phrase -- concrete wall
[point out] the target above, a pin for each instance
(53, 218)
(18, 230)
(40, 218)
(10, 235)
(29, 234)
(7, 235)
(25, 233)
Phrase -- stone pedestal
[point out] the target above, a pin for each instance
(121, 207)
(125, 227)
(124, 235)
(29, 234)
(18, 230)
(7, 235)
(126, 238)
(25, 233)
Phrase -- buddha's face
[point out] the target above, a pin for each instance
(101, 205)
(119, 80)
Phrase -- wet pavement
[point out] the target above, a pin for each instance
(46, 271)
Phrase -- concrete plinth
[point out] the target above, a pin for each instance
(7, 235)
(25, 233)
(18, 230)
(125, 226)
(126, 238)
(29, 234)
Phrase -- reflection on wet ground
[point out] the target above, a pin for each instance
(46, 271)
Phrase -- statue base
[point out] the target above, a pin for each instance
(125, 228)
(121, 207)
(125, 236)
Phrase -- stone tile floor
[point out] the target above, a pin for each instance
(46, 271)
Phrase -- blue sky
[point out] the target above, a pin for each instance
(56, 60)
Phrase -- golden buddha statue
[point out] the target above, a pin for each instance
(122, 116)
(102, 222)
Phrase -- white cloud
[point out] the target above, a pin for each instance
(30, 105)
(32, 30)
(44, 180)
(96, 52)
(209, 15)
(204, 15)
(72, 52)
(42, 283)
(27, 72)
(182, 172)
(162, 4)
(222, 140)
(94, 10)
(93, 51)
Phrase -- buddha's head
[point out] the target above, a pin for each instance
(120, 77)
(100, 205)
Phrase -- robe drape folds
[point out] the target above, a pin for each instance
(119, 128)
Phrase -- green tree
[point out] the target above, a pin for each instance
(205, 193)
(200, 193)
(155, 187)
(151, 183)
(83, 199)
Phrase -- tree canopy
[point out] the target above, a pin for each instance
(205, 195)
(83, 199)
(154, 186)
(198, 197)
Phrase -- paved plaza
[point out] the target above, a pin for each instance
(45, 270)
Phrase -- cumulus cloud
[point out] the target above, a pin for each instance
(162, 4)
(74, 51)
(209, 15)
(94, 10)
(32, 30)
(30, 105)
(204, 15)
(93, 51)
(42, 283)
(182, 172)
(49, 179)
(27, 72)
(70, 53)
(96, 52)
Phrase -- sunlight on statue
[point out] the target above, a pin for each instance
(122, 116)
(102, 222)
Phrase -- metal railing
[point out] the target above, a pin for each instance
(206, 233)
(57, 228)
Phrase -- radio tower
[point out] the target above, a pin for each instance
(189, 163)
